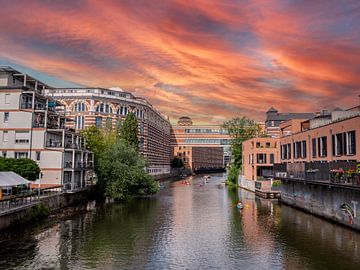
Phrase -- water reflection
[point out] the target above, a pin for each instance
(193, 226)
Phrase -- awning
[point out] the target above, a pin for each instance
(8, 179)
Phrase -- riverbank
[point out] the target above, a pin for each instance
(44, 206)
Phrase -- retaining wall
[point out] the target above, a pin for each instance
(53, 202)
(339, 204)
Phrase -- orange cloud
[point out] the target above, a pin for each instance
(210, 60)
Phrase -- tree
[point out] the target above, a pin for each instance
(129, 131)
(177, 163)
(240, 130)
(121, 172)
(25, 167)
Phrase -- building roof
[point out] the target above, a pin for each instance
(288, 116)
(272, 109)
(8, 179)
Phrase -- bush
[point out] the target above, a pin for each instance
(25, 167)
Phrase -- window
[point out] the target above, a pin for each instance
(297, 149)
(104, 108)
(289, 150)
(272, 158)
(267, 145)
(322, 146)
(257, 145)
(303, 149)
(4, 154)
(98, 122)
(6, 117)
(109, 122)
(22, 137)
(5, 136)
(38, 154)
(314, 148)
(79, 122)
(350, 143)
(21, 154)
(261, 158)
(7, 98)
(339, 144)
(79, 107)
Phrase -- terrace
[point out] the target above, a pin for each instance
(344, 173)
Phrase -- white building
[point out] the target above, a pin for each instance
(32, 125)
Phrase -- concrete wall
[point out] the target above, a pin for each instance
(54, 203)
(246, 184)
(323, 200)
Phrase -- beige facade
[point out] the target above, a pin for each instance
(185, 136)
(334, 141)
(33, 126)
(108, 107)
(259, 156)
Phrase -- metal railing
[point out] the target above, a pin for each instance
(336, 172)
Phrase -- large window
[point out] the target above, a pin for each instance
(261, 158)
(322, 146)
(344, 143)
(98, 122)
(79, 107)
(123, 110)
(272, 158)
(314, 148)
(104, 108)
(303, 149)
(79, 122)
(351, 143)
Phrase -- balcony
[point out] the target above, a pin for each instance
(53, 144)
(345, 173)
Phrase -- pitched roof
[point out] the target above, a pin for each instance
(8, 179)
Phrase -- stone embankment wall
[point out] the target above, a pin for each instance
(339, 204)
(246, 184)
(53, 203)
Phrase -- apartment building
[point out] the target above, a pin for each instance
(314, 147)
(188, 139)
(259, 156)
(108, 108)
(32, 125)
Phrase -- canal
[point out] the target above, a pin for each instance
(184, 227)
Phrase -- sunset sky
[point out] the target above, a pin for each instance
(210, 60)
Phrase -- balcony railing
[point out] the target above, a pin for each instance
(340, 172)
(55, 144)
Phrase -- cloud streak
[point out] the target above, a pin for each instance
(207, 59)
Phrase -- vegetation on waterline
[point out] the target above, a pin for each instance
(240, 130)
(120, 169)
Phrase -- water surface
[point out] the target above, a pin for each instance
(185, 227)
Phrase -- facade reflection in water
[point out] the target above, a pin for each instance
(195, 227)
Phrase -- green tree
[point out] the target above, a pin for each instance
(240, 129)
(121, 172)
(177, 162)
(129, 131)
(25, 167)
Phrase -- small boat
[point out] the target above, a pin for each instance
(239, 205)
